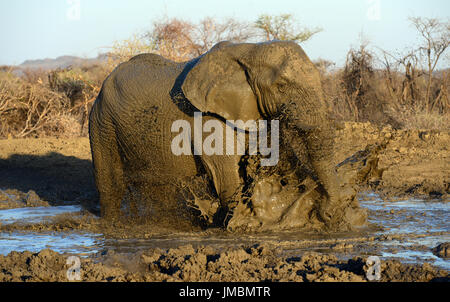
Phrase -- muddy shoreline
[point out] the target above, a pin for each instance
(185, 263)
(54, 172)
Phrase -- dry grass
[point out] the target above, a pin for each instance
(55, 103)
(26, 109)
(385, 95)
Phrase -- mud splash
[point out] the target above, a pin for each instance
(284, 200)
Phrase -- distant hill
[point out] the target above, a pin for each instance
(61, 62)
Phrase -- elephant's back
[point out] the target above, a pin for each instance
(143, 79)
(153, 59)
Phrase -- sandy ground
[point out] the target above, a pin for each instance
(51, 171)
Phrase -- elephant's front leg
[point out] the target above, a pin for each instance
(222, 163)
(224, 171)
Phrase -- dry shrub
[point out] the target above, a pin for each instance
(362, 88)
(283, 27)
(54, 105)
(122, 51)
(64, 125)
(81, 88)
(394, 93)
(26, 108)
(352, 92)
(33, 76)
(421, 119)
(173, 40)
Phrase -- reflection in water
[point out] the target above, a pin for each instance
(34, 215)
(424, 224)
(61, 242)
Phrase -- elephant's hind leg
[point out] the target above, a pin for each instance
(107, 169)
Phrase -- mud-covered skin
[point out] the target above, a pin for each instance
(131, 120)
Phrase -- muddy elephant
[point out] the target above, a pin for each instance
(131, 122)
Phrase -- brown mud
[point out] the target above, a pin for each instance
(414, 162)
(186, 263)
(397, 164)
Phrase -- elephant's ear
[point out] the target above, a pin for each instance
(217, 83)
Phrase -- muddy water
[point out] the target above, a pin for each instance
(63, 242)
(403, 230)
(411, 228)
(34, 215)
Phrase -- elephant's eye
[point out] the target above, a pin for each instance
(282, 87)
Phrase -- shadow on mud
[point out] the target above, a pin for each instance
(56, 178)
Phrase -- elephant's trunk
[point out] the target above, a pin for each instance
(309, 133)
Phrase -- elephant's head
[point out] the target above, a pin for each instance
(255, 81)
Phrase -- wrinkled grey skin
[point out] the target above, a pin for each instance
(130, 121)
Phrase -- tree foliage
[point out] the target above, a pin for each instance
(181, 40)
(284, 27)
(435, 36)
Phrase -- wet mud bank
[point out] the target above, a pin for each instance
(185, 263)
(410, 246)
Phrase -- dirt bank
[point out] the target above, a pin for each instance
(59, 171)
(414, 162)
(254, 263)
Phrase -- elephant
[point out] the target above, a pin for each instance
(130, 123)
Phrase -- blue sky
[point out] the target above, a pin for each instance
(37, 29)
